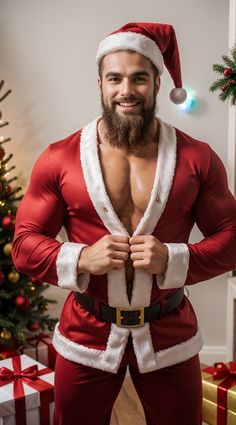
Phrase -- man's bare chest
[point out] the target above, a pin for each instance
(129, 182)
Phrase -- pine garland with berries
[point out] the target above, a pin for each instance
(22, 305)
(227, 83)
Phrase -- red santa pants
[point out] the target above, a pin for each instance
(169, 396)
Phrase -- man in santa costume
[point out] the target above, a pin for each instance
(128, 189)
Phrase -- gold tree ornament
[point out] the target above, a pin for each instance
(13, 276)
(7, 249)
(43, 306)
(5, 334)
(226, 84)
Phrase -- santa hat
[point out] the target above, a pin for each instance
(155, 41)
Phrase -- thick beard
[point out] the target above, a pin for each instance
(129, 130)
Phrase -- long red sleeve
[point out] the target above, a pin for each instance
(215, 214)
(39, 218)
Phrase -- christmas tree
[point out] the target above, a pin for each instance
(22, 304)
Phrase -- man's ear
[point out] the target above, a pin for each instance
(100, 85)
(158, 83)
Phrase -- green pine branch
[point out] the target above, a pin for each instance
(217, 67)
(218, 84)
(228, 61)
(226, 85)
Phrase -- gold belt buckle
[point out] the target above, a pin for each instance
(119, 317)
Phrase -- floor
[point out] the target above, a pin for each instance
(127, 408)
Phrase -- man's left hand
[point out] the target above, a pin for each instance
(149, 254)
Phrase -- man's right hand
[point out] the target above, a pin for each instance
(110, 252)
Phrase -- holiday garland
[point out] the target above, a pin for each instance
(227, 83)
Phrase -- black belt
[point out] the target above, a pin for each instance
(132, 317)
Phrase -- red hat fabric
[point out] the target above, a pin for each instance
(155, 41)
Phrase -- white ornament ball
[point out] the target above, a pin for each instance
(178, 95)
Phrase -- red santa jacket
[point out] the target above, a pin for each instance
(67, 189)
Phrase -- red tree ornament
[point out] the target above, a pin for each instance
(7, 221)
(34, 326)
(22, 302)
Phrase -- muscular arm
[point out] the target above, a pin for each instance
(215, 215)
(39, 218)
(214, 212)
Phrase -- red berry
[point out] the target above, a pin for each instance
(228, 71)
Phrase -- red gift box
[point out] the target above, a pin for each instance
(25, 385)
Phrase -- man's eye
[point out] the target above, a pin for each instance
(114, 79)
(139, 79)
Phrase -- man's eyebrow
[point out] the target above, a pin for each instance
(135, 74)
(141, 73)
(113, 74)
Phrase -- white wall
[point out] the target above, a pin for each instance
(48, 53)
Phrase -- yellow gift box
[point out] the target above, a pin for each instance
(219, 394)
(210, 414)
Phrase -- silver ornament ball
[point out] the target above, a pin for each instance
(178, 95)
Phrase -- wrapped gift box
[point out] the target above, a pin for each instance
(40, 348)
(26, 392)
(219, 394)
(210, 413)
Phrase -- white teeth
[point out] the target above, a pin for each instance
(128, 104)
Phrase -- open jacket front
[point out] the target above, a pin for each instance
(67, 189)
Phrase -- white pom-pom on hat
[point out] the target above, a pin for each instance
(155, 41)
(178, 95)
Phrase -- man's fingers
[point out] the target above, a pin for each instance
(136, 256)
(137, 240)
(137, 247)
(117, 264)
(116, 238)
(123, 247)
(119, 255)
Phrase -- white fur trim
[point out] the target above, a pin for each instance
(94, 180)
(132, 41)
(165, 169)
(177, 266)
(67, 264)
(148, 360)
(142, 285)
(109, 360)
(166, 162)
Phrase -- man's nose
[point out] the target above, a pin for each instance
(127, 87)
